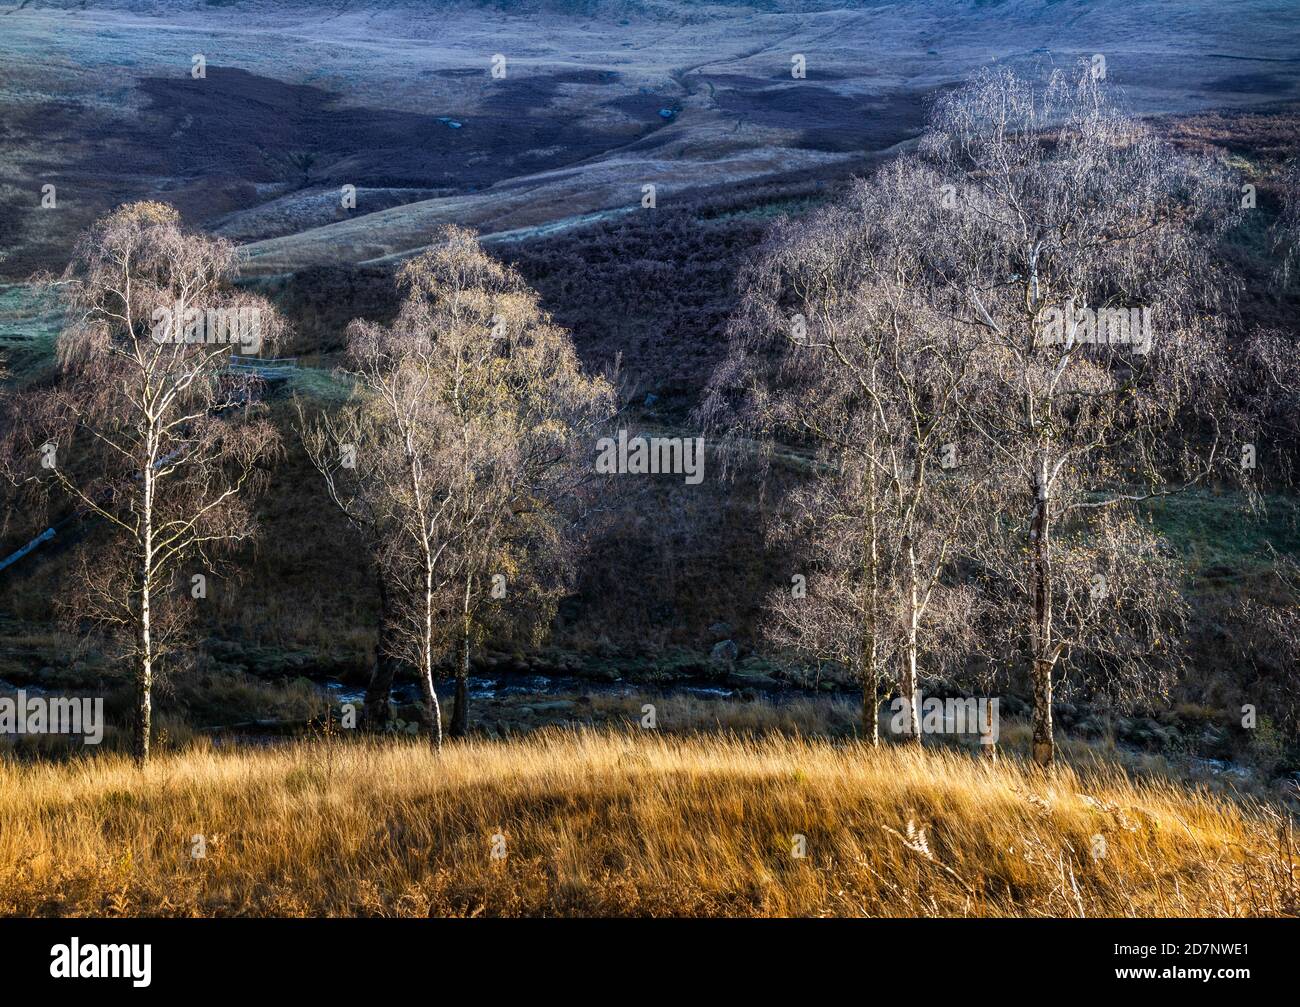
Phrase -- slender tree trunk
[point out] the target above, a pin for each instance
(381, 679)
(144, 684)
(460, 711)
(908, 683)
(870, 670)
(870, 690)
(1040, 580)
(430, 692)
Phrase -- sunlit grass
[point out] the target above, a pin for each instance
(625, 824)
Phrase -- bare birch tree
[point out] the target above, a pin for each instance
(404, 496)
(481, 406)
(146, 429)
(836, 348)
(520, 418)
(1080, 248)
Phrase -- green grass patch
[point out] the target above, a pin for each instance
(321, 385)
(1218, 535)
(770, 211)
(30, 322)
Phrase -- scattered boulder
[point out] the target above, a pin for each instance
(724, 652)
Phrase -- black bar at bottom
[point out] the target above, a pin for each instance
(231, 956)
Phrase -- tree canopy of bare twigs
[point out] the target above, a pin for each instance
(838, 350)
(475, 421)
(146, 430)
(1080, 247)
(1035, 293)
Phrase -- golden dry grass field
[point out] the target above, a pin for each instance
(618, 824)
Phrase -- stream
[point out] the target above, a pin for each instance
(497, 686)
